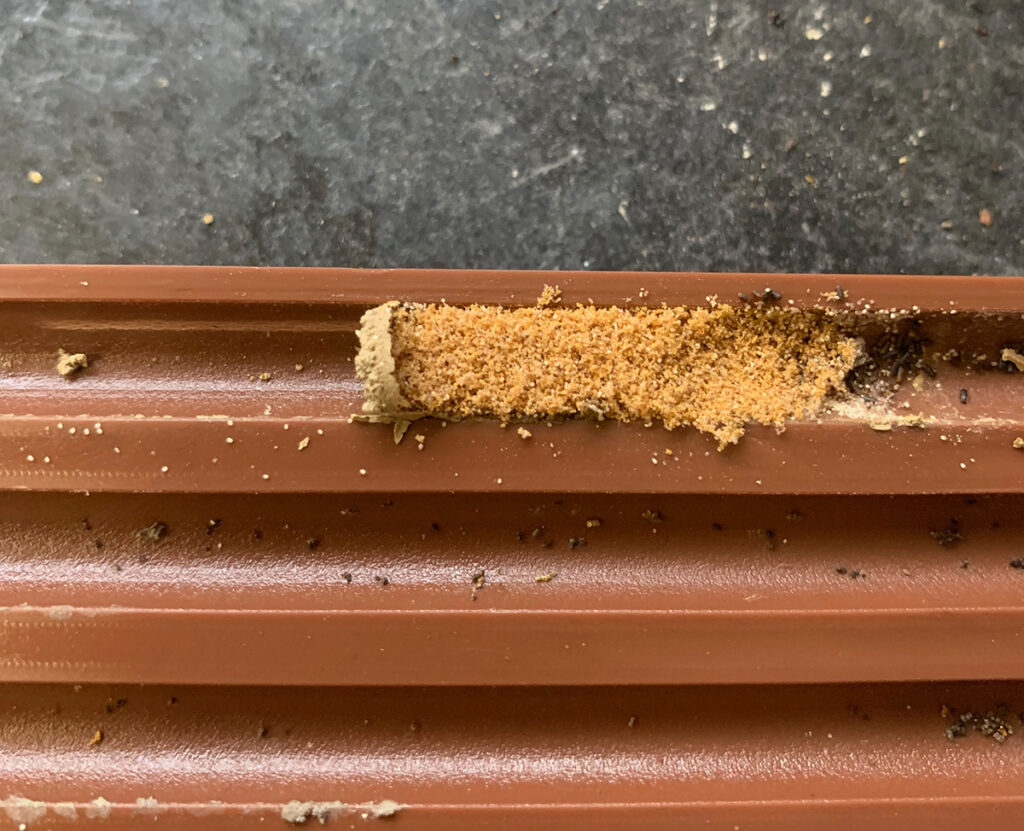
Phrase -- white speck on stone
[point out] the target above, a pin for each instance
(826, 89)
(762, 55)
(813, 33)
(229, 440)
(266, 475)
(746, 153)
(362, 471)
(30, 457)
(865, 51)
(828, 56)
(164, 469)
(733, 127)
(708, 106)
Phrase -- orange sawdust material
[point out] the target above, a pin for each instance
(718, 368)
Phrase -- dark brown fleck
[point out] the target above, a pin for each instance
(949, 536)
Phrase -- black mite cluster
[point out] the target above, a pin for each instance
(894, 354)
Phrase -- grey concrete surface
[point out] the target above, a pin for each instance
(606, 134)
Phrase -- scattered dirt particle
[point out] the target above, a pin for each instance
(946, 225)
(593, 522)
(964, 396)
(117, 704)
(299, 367)
(549, 296)
(304, 443)
(852, 573)
(257, 534)
(265, 376)
(794, 515)
(207, 219)
(68, 363)
(653, 517)
(632, 721)
(261, 731)
(985, 217)
(1017, 563)
(211, 526)
(992, 725)
(1011, 356)
(1018, 443)
(346, 576)
(477, 581)
(577, 542)
(379, 578)
(545, 578)
(313, 543)
(776, 18)
(949, 536)
(96, 739)
(154, 532)
(35, 177)
(524, 433)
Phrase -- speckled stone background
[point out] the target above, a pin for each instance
(606, 134)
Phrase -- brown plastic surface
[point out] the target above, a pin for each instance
(329, 635)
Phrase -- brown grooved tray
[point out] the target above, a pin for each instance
(777, 635)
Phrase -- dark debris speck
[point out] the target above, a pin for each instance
(949, 536)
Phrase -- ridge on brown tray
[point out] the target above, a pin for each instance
(224, 605)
